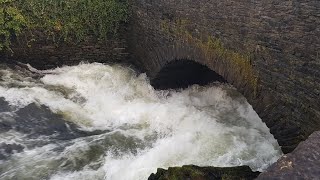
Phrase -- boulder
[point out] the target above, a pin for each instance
(192, 172)
(302, 163)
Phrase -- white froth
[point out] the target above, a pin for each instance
(200, 125)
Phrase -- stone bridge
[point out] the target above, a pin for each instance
(268, 49)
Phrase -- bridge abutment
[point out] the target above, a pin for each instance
(266, 49)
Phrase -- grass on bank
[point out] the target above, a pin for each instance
(60, 20)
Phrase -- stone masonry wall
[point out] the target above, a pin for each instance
(268, 49)
(46, 54)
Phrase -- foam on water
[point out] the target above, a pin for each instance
(148, 129)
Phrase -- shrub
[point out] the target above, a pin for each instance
(61, 20)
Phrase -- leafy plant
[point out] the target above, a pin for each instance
(62, 20)
(11, 22)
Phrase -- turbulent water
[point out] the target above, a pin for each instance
(95, 121)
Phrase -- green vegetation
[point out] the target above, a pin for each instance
(60, 20)
(11, 22)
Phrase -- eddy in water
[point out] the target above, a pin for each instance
(96, 121)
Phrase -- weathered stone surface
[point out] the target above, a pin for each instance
(204, 173)
(46, 54)
(302, 163)
(281, 77)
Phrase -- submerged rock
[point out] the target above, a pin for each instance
(38, 120)
(302, 163)
(6, 150)
(192, 172)
(4, 106)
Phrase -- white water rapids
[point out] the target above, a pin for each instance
(134, 128)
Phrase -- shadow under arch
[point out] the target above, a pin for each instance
(183, 73)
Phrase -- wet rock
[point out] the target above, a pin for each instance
(302, 163)
(192, 172)
(5, 125)
(6, 150)
(38, 121)
(36, 126)
(4, 106)
(4, 116)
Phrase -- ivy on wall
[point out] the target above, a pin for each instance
(61, 20)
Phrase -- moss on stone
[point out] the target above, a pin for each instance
(215, 51)
(192, 172)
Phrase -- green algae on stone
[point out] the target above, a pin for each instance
(192, 172)
(215, 52)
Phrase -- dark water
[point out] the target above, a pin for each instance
(95, 121)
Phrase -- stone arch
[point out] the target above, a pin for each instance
(273, 68)
(235, 68)
(157, 61)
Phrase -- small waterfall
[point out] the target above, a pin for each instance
(96, 121)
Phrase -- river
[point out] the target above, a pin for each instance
(97, 121)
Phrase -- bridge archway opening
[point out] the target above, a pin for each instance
(180, 74)
(183, 73)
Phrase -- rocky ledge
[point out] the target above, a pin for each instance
(192, 172)
(302, 163)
